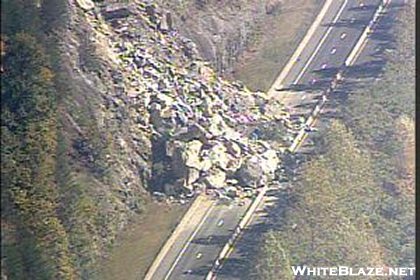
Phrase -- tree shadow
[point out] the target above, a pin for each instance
(348, 23)
(329, 72)
(200, 271)
(212, 240)
(307, 105)
(363, 9)
(234, 267)
(369, 69)
(381, 35)
(318, 84)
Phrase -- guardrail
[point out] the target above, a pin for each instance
(348, 62)
(244, 221)
(298, 139)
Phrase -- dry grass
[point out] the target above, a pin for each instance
(407, 160)
(281, 34)
(137, 247)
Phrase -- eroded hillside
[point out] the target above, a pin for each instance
(244, 39)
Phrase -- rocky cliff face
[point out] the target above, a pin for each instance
(222, 29)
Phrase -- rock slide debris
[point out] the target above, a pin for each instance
(205, 122)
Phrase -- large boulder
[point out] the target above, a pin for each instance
(184, 156)
(217, 125)
(250, 172)
(193, 132)
(269, 162)
(218, 155)
(258, 169)
(191, 154)
(215, 179)
(233, 165)
(86, 5)
(193, 175)
(233, 149)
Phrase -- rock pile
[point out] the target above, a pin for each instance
(206, 122)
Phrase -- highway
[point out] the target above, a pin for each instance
(199, 256)
(366, 68)
(195, 259)
(325, 52)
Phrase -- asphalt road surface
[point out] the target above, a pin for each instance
(198, 259)
(197, 256)
(325, 53)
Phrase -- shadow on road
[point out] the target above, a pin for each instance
(212, 240)
(243, 262)
(363, 8)
(200, 271)
(348, 23)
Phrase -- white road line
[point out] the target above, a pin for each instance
(321, 42)
(188, 242)
(299, 49)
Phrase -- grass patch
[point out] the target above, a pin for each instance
(136, 248)
(261, 65)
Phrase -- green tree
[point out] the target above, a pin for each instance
(330, 224)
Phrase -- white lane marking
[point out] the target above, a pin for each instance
(188, 242)
(321, 42)
(286, 69)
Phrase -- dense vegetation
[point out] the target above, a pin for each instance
(355, 201)
(34, 243)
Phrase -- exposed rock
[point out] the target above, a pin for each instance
(166, 23)
(86, 5)
(258, 169)
(271, 6)
(191, 154)
(220, 43)
(169, 189)
(116, 11)
(205, 121)
(215, 179)
(269, 162)
(193, 175)
(218, 155)
(250, 172)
